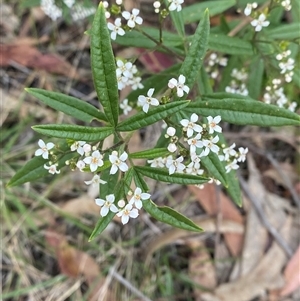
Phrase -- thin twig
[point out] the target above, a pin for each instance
(259, 211)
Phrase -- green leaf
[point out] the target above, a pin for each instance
(158, 82)
(138, 39)
(104, 67)
(75, 132)
(230, 45)
(284, 32)
(177, 19)
(255, 79)
(215, 167)
(244, 112)
(155, 114)
(162, 174)
(233, 187)
(67, 104)
(110, 186)
(34, 170)
(150, 153)
(196, 53)
(193, 13)
(102, 223)
(170, 216)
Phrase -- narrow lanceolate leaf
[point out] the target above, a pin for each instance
(177, 19)
(230, 45)
(104, 67)
(162, 174)
(103, 222)
(244, 112)
(170, 216)
(34, 170)
(150, 153)
(154, 114)
(215, 167)
(196, 53)
(284, 32)
(255, 79)
(233, 187)
(193, 13)
(75, 132)
(67, 104)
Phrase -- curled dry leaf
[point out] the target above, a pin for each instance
(208, 199)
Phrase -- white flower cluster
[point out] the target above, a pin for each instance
(274, 94)
(249, 7)
(258, 22)
(287, 5)
(286, 65)
(78, 12)
(201, 142)
(125, 211)
(132, 19)
(175, 5)
(238, 83)
(213, 64)
(125, 73)
(44, 152)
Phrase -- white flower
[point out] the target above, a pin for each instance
(260, 22)
(242, 154)
(127, 212)
(80, 165)
(125, 106)
(156, 5)
(107, 205)
(52, 169)
(287, 66)
(194, 143)
(228, 152)
(145, 102)
(87, 149)
(175, 165)
(125, 68)
(157, 162)
(138, 197)
(231, 165)
(78, 146)
(286, 4)
(179, 85)
(292, 107)
(44, 149)
(50, 9)
(121, 79)
(118, 162)
(194, 168)
(95, 180)
(190, 126)
(213, 124)
(175, 5)
(210, 146)
(132, 18)
(69, 3)
(119, 2)
(116, 29)
(136, 83)
(249, 8)
(95, 160)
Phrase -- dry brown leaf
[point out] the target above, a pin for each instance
(208, 200)
(201, 268)
(208, 225)
(29, 56)
(266, 275)
(292, 275)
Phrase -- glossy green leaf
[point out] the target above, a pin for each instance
(154, 114)
(284, 32)
(233, 187)
(75, 132)
(170, 216)
(193, 13)
(67, 104)
(196, 53)
(104, 67)
(162, 174)
(158, 82)
(230, 45)
(34, 169)
(244, 112)
(150, 153)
